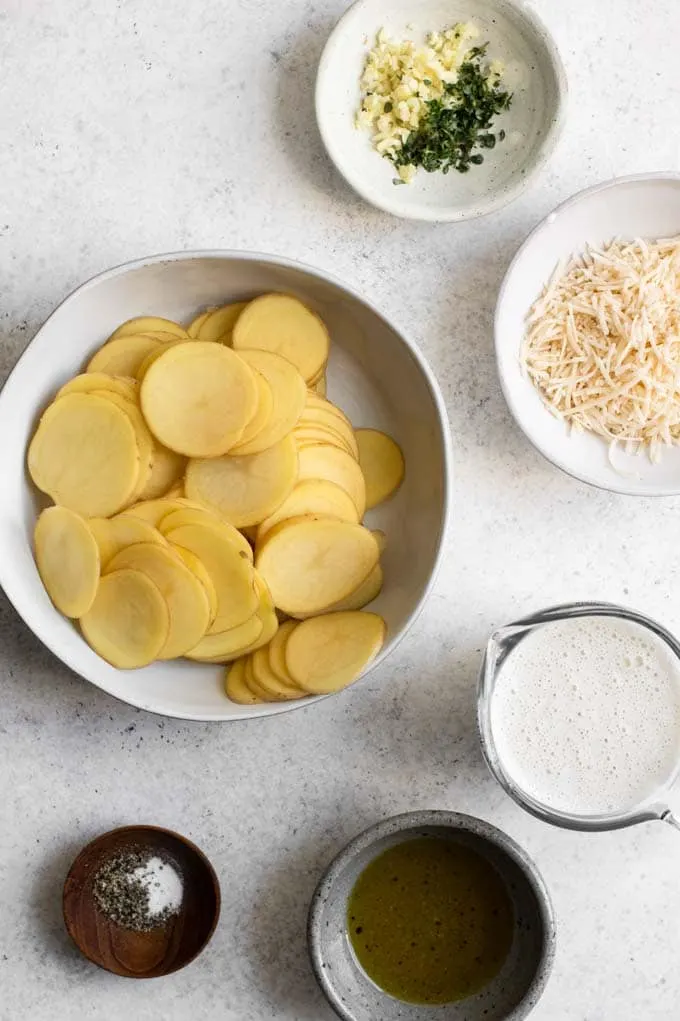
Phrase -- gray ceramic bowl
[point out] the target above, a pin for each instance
(518, 986)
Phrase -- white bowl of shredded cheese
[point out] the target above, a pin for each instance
(588, 336)
(387, 69)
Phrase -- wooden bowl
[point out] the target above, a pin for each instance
(159, 951)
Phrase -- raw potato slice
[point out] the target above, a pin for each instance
(288, 399)
(309, 436)
(236, 688)
(219, 325)
(245, 490)
(89, 381)
(122, 356)
(140, 324)
(153, 356)
(365, 594)
(230, 572)
(330, 422)
(68, 560)
(327, 653)
(182, 591)
(320, 387)
(310, 563)
(154, 511)
(326, 462)
(114, 534)
(382, 463)
(263, 415)
(276, 650)
(313, 496)
(84, 455)
(167, 469)
(275, 689)
(198, 397)
(129, 622)
(196, 567)
(196, 323)
(164, 337)
(282, 324)
(145, 441)
(192, 516)
(226, 644)
(176, 490)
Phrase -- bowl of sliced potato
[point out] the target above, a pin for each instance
(227, 484)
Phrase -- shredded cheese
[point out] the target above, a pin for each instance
(602, 344)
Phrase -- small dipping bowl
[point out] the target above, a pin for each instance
(515, 990)
(159, 951)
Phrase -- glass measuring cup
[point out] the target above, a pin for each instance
(499, 646)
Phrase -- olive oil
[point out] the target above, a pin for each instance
(430, 921)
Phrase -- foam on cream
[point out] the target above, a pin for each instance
(586, 715)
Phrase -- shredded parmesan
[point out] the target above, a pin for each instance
(603, 344)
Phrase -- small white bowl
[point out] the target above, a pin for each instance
(534, 73)
(645, 205)
(376, 374)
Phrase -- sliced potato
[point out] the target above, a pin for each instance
(313, 496)
(114, 534)
(225, 644)
(230, 572)
(219, 325)
(141, 324)
(369, 590)
(175, 491)
(84, 455)
(276, 651)
(129, 621)
(275, 689)
(329, 421)
(262, 416)
(282, 324)
(196, 323)
(247, 489)
(320, 387)
(167, 470)
(86, 382)
(381, 539)
(145, 441)
(382, 463)
(236, 687)
(153, 356)
(198, 397)
(327, 653)
(309, 436)
(123, 356)
(186, 598)
(326, 462)
(312, 562)
(196, 567)
(154, 511)
(193, 516)
(67, 556)
(288, 399)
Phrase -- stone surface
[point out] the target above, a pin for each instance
(129, 128)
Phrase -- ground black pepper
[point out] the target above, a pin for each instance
(123, 897)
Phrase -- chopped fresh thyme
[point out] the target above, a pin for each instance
(458, 123)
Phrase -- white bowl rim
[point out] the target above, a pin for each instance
(494, 201)
(602, 186)
(447, 451)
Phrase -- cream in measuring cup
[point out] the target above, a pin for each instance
(585, 714)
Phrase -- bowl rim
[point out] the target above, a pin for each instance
(493, 201)
(512, 403)
(230, 255)
(456, 822)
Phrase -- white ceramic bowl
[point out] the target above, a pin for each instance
(375, 374)
(533, 72)
(647, 206)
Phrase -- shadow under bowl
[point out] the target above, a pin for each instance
(511, 995)
(161, 950)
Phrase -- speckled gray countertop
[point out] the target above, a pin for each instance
(131, 127)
